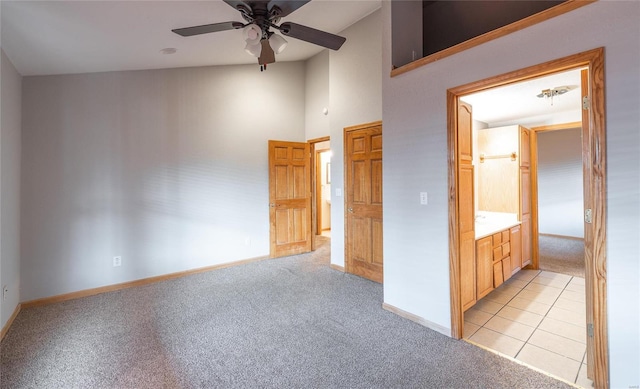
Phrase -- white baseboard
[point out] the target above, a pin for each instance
(417, 319)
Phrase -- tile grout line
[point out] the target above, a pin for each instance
(551, 306)
(544, 317)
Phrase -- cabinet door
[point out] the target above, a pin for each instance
(525, 147)
(506, 268)
(516, 249)
(498, 275)
(484, 267)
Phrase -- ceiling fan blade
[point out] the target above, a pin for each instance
(311, 35)
(287, 6)
(207, 28)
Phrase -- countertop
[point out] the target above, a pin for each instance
(488, 223)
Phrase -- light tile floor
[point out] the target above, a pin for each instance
(537, 317)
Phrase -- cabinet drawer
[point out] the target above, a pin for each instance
(497, 253)
(501, 251)
(505, 236)
(506, 249)
(497, 239)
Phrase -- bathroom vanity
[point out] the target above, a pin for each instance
(502, 212)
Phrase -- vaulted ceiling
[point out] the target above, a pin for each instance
(59, 37)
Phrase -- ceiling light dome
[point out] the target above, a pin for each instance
(277, 43)
(254, 50)
(252, 34)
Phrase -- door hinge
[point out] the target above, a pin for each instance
(590, 330)
(587, 215)
(586, 102)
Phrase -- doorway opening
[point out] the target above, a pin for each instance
(537, 317)
(557, 188)
(321, 190)
(478, 267)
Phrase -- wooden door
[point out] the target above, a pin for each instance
(289, 198)
(466, 213)
(525, 195)
(363, 201)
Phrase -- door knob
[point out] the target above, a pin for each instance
(272, 205)
(350, 210)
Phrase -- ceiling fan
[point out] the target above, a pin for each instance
(260, 17)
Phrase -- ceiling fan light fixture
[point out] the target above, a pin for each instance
(253, 49)
(277, 43)
(252, 34)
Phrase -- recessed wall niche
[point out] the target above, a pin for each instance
(423, 28)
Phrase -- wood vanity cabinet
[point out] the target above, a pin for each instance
(498, 256)
(484, 267)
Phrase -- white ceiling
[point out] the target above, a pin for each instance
(519, 104)
(60, 37)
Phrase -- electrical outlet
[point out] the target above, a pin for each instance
(423, 198)
(247, 241)
(5, 292)
(117, 261)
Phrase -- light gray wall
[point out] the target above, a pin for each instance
(415, 157)
(560, 198)
(166, 168)
(355, 95)
(10, 187)
(317, 95)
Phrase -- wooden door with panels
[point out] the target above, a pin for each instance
(363, 201)
(289, 198)
(465, 206)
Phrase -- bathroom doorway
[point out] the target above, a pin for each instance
(321, 190)
(462, 244)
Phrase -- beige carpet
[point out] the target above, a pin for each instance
(278, 323)
(561, 255)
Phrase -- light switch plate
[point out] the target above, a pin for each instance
(338, 192)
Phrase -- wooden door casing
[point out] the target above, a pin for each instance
(363, 201)
(289, 198)
(595, 197)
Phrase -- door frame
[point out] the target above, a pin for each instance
(314, 188)
(594, 167)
